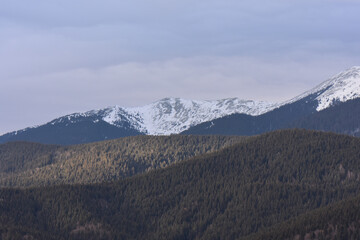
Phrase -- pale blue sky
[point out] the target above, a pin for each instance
(60, 57)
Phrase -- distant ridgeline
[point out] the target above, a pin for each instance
(333, 106)
(280, 185)
(340, 118)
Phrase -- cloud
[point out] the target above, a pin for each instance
(57, 57)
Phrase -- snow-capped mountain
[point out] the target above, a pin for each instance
(340, 88)
(176, 115)
(170, 115)
(333, 105)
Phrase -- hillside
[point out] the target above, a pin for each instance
(337, 221)
(29, 164)
(68, 132)
(21, 156)
(341, 118)
(228, 194)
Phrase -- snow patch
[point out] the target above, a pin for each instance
(170, 115)
(174, 115)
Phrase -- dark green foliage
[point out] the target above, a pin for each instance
(229, 194)
(21, 156)
(29, 164)
(337, 221)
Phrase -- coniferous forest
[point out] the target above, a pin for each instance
(26, 164)
(288, 184)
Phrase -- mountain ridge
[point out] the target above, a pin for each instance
(176, 115)
(335, 89)
(331, 106)
(162, 117)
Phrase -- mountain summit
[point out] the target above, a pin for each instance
(340, 88)
(333, 105)
(174, 115)
(170, 115)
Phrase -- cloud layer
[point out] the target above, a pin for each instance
(59, 57)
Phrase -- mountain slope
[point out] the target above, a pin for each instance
(22, 156)
(70, 130)
(340, 118)
(307, 111)
(229, 194)
(241, 124)
(25, 164)
(337, 221)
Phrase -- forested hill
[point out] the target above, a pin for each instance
(337, 221)
(229, 194)
(30, 164)
(22, 156)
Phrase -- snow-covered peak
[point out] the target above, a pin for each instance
(174, 115)
(169, 115)
(340, 88)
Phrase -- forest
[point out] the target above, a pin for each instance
(277, 185)
(24, 164)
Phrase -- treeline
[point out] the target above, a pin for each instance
(228, 194)
(25, 164)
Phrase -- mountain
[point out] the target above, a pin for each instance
(229, 194)
(24, 164)
(340, 118)
(164, 117)
(72, 129)
(343, 87)
(326, 107)
(175, 115)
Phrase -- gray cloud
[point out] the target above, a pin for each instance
(57, 57)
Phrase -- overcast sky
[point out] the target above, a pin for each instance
(60, 56)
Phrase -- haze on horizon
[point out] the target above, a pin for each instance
(60, 57)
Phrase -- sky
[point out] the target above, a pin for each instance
(59, 57)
